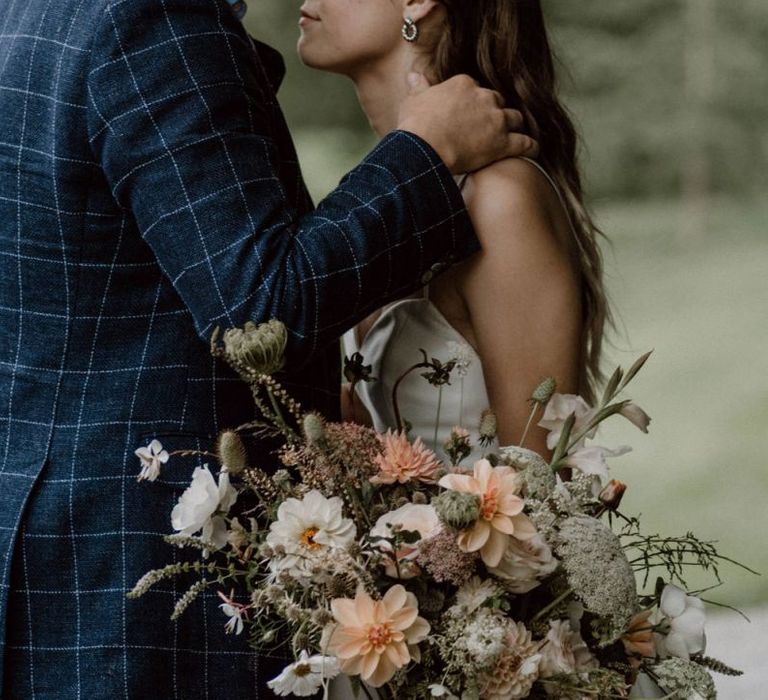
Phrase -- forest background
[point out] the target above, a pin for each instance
(671, 99)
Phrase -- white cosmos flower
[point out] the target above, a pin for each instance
(307, 527)
(559, 407)
(305, 676)
(591, 460)
(684, 617)
(202, 505)
(152, 457)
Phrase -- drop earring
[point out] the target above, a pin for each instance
(410, 30)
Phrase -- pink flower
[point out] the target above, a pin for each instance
(402, 461)
(524, 564)
(559, 407)
(516, 669)
(636, 415)
(374, 638)
(411, 518)
(501, 510)
(592, 460)
(564, 651)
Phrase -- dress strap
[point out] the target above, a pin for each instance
(559, 194)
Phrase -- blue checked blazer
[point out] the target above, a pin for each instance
(149, 191)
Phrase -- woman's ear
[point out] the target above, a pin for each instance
(419, 9)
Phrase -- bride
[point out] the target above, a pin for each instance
(531, 303)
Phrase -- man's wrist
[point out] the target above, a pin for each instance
(444, 151)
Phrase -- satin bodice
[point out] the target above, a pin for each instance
(392, 346)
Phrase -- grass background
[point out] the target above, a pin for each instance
(702, 305)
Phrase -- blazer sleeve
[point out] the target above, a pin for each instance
(181, 119)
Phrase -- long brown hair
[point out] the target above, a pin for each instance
(503, 44)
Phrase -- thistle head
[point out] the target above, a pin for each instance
(257, 349)
(457, 509)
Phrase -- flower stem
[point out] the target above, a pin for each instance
(567, 592)
(398, 417)
(528, 425)
(437, 417)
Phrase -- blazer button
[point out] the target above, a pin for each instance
(427, 277)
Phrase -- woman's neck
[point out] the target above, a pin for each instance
(382, 87)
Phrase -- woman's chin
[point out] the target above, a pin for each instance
(312, 60)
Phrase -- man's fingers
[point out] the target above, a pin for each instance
(522, 145)
(514, 119)
(417, 83)
(500, 101)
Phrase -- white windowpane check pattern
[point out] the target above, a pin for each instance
(149, 191)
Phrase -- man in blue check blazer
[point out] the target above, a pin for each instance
(149, 192)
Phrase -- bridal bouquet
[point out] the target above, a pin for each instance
(366, 556)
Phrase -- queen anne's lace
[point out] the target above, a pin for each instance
(685, 679)
(598, 571)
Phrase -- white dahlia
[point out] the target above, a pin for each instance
(307, 527)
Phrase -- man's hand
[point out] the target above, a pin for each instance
(467, 125)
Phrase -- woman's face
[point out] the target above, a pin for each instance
(342, 36)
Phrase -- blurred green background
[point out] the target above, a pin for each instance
(671, 98)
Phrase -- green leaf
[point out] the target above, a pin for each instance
(611, 387)
(565, 437)
(635, 368)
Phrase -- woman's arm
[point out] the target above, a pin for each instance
(522, 292)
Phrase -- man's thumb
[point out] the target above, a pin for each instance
(417, 82)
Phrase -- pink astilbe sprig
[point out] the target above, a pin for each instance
(441, 557)
(346, 456)
(402, 461)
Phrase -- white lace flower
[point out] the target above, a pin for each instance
(308, 527)
(305, 676)
(682, 619)
(202, 506)
(484, 637)
(461, 354)
(152, 457)
(559, 407)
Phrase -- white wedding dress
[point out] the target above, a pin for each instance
(392, 346)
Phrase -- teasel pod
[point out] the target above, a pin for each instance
(231, 452)
(489, 427)
(543, 392)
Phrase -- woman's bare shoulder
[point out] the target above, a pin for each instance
(512, 204)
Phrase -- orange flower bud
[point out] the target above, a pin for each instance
(612, 494)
